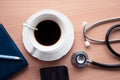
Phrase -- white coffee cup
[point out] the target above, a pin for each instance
(52, 52)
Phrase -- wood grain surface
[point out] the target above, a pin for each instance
(14, 12)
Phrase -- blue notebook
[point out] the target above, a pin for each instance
(8, 47)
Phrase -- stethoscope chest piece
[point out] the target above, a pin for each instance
(79, 59)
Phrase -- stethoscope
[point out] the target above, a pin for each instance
(80, 58)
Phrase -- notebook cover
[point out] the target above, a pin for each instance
(8, 47)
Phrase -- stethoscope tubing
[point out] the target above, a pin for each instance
(107, 41)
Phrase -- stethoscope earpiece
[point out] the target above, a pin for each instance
(79, 59)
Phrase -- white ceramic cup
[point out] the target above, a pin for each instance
(52, 52)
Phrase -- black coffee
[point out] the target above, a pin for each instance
(48, 32)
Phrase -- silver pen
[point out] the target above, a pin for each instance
(9, 57)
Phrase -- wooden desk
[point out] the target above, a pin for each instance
(14, 12)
